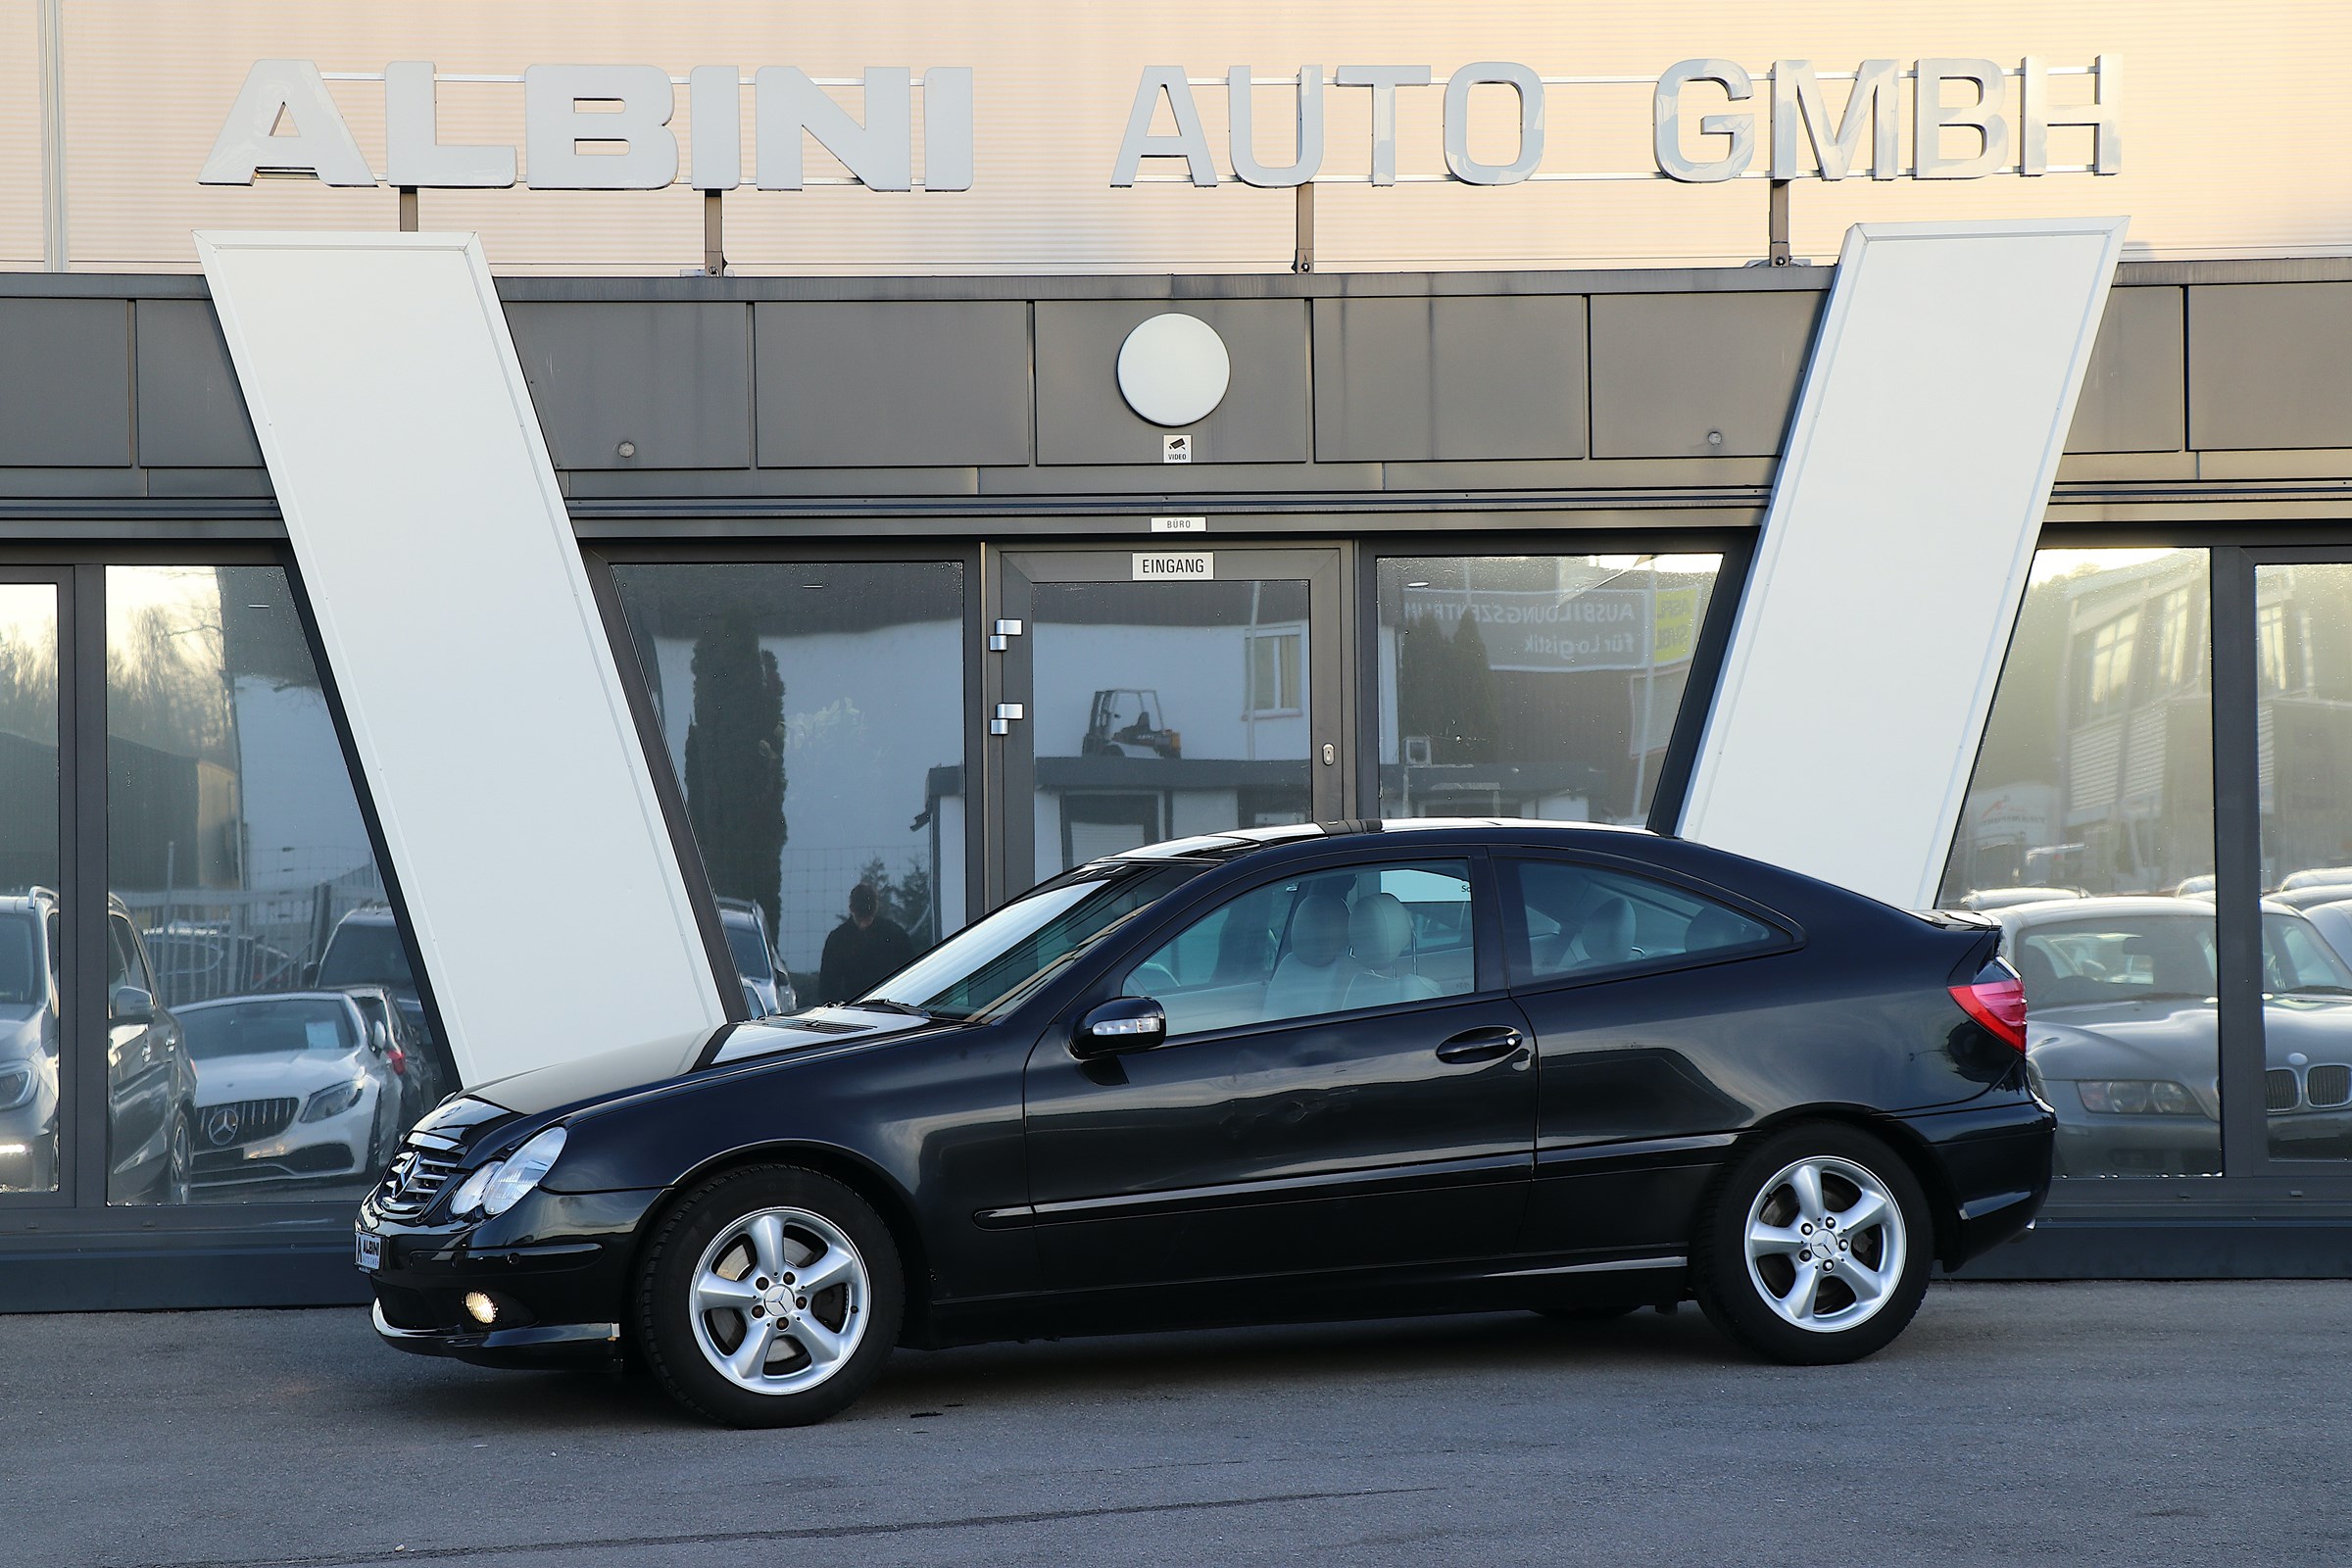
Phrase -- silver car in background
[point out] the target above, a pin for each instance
(290, 1087)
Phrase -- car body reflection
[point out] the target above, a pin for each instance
(2123, 1029)
(296, 1087)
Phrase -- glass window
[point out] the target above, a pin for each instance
(815, 717)
(1575, 920)
(30, 1087)
(1536, 686)
(247, 902)
(2088, 831)
(2304, 622)
(1276, 659)
(1327, 941)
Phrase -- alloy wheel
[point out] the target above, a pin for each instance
(1826, 1244)
(780, 1300)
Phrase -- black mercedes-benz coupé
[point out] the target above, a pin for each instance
(1339, 1070)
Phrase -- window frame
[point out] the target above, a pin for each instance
(1488, 981)
(1787, 936)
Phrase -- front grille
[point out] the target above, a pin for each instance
(2280, 1086)
(243, 1121)
(2328, 1086)
(414, 1180)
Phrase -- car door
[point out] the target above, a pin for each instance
(1653, 1005)
(1345, 1085)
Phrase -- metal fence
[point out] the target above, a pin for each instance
(210, 942)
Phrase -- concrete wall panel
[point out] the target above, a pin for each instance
(65, 383)
(2270, 365)
(1449, 379)
(671, 380)
(191, 412)
(1697, 375)
(893, 384)
(1081, 417)
(2136, 390)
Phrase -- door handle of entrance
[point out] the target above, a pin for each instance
(1481, 1045)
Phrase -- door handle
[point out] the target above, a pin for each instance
(1481, 1045)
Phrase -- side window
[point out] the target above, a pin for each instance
(1327, 941)
(1572, 919)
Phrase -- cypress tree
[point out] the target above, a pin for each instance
(735, 763)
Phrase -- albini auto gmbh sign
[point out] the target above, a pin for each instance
(608, 127)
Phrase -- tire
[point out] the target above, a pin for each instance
(1770, 1291)
(178, 1179)
(719, 1287)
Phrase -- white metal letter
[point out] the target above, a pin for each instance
(1240, 123)
(414, 153)
(948, 128)
(320, 145)
(1666, 122)
(2106, 129)
(879, 153)
(1384, 80)
(714, 98)
(1188, 142)
(1501, 74)
(1930, 114)
(553, 128)
(1797, 96)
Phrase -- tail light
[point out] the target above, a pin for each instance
(1996, 999)
(399, 1060)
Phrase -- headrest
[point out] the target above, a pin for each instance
(1379, 929)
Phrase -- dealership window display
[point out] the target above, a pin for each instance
(2089, 833)
(265, 1036)
(813, 714)
(1536, 686)
(30, 1083)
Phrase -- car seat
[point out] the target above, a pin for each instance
(1380, 931)
(1312, 977)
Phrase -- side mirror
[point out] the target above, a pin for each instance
(1119, 1026)
(131, 1005)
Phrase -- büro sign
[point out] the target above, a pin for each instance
(608, 128)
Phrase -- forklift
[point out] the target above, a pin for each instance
(1126, 722)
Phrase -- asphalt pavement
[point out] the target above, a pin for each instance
(2076, 1424)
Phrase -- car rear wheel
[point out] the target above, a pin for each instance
(1815, 1248)
(769, 1297)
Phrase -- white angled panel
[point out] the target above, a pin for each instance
(458, 625)
(1893, 559)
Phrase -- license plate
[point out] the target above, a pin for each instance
(371, 1252)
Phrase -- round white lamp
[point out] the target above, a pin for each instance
(1173, 369)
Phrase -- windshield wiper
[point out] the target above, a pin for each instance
(885, 1005)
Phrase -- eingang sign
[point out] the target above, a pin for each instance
(608, 128)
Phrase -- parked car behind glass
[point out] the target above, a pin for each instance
(2124, 1032)
(291, 1087)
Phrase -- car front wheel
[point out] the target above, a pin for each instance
(769, 1297)
(1816, 1246)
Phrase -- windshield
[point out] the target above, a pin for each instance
(750, 954)
(365, 956)
(266, 1027)
(22, 976)
(989, 966)
(2170, 957)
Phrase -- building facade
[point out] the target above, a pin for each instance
(909, 583)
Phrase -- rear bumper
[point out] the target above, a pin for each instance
(1996, 1163)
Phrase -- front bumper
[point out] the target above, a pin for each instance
(556, 1268)
(544, 1344)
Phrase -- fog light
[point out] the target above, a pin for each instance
(480, 1308)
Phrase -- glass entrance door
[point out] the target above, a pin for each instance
(1152, 694)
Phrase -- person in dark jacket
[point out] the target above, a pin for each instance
(862, 950)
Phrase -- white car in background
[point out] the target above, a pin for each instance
(291, 1087)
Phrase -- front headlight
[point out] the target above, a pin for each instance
(17, 1085)
(2137, 1096)
(500, 1185)
(332, 1102)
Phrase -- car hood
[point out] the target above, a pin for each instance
(2174, 1039)
(615, 1072)
(222, 1079)
(22, 1031)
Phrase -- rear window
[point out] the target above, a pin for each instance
(365, 956)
